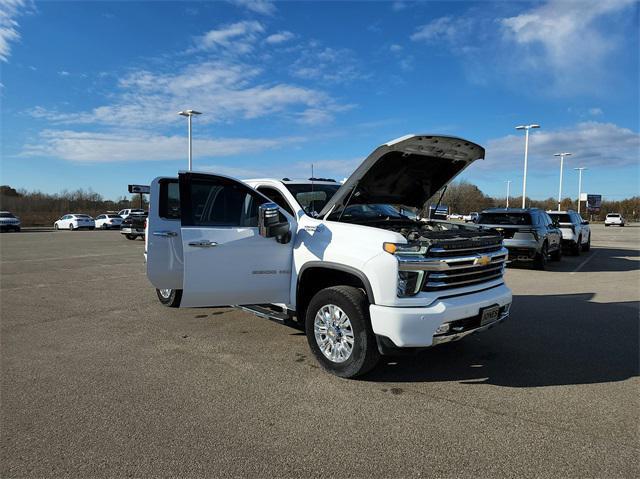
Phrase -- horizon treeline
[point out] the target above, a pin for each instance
(41, 209)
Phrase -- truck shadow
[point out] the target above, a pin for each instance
(548, 341)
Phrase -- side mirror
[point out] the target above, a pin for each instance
(585, 222)
(269, 224)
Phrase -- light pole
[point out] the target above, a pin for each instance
(189, 114)
(561, 155)
(508, 189)
(580, 170)
(526, 129)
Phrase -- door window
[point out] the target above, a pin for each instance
(219, 202)
(169, 203)
(275, 196)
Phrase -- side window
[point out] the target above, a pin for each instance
(99, 217)
(169, 204)
(275, 196)
(221, 202)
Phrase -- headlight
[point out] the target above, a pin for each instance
(409, 283)
(404, 248)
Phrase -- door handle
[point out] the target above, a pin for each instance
(203, 244)
(165, 234)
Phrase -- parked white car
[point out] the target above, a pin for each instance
(471, 217)
(108, 221)
(74, 222)
(576, 233)
(124, 214)
(614, 219)
(454, 216)
(340, 259)
(9, 222)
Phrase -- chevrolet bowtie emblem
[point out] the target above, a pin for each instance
(482, 260)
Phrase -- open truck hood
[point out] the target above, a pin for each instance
(407, 171)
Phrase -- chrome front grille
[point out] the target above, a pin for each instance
(459, 268)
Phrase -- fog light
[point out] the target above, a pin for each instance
(442, 329)
(409, 283)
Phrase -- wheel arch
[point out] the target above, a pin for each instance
(317, 275)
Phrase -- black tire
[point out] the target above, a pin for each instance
(557, 255)
(587, 246)
(70, 226)
(575, 247)
(540, 261)
(622, 225)
(606, 225)
(353, 302)
(55, 227)
(130, 236)
(170, 300)
(104, 226)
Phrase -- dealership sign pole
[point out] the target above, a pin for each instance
(579, 185)
(189, 114)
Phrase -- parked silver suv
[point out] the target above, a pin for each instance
(529, 234)
(576, 233)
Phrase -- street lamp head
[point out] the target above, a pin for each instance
(189, 113)
(534, 126)
(527, 127)
(520, 127)
(562, 154)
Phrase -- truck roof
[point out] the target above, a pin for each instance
(296, 181)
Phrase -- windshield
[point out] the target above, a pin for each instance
(112, 216)
(368, 212)
(504, 219)
(82, 216)
(562, 218)
(6, 215)
(312, 197)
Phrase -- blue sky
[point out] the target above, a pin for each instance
(90, 90)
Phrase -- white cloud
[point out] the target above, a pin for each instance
(398, 6)
(237, 37)
(559, 47)
(595, 111)
(592, 144)
(564, 36)
(395, 48)
(327, 65)
(263, 7)
(64, 73)
(224, 91)
(447, 29)
(279, 37)
(9, 11)
(90, 147)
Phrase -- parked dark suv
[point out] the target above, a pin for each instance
(529, 234)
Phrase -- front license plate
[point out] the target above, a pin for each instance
(489, 315)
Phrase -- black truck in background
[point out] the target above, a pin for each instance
(133, 226)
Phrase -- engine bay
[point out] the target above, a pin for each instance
(438, 232)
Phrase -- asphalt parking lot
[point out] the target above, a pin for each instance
(100, 380)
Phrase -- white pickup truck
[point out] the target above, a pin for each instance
(341, 261)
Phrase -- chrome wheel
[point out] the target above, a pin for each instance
(334, 333)
(165, 293)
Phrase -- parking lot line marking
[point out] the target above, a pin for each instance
(61, 258)
(584, 262)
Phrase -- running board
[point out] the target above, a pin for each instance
(268, 313)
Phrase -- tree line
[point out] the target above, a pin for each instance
(41, 209)
(35, 208)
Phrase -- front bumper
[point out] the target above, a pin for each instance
(416, 327)
(9, 227)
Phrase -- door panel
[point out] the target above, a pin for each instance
(226, 261)
(163, 243)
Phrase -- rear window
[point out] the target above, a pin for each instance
(562, 218)
(83, 216)
(112, 216)
(613, 215)
(6, 215)
(504, 219)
